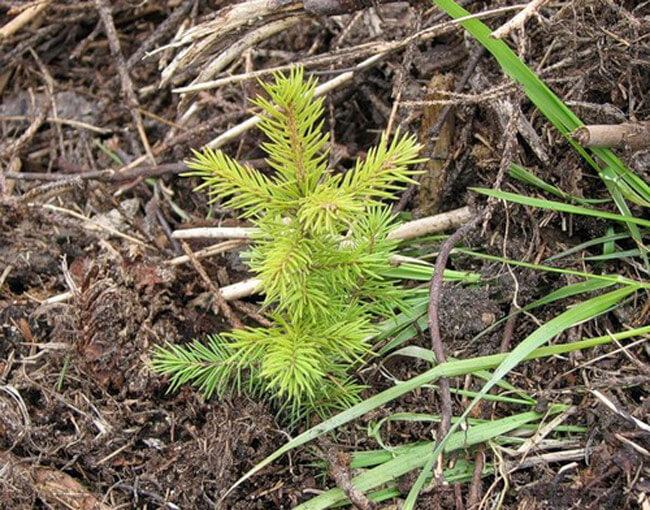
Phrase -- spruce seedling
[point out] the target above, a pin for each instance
(322, 254)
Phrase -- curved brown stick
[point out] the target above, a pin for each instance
(434, 321)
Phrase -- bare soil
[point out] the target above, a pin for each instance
(87, 288)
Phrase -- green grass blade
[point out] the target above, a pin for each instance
(590, 276)
(576, 315)
(560, 206)
(592, 242)
(403, 464)
(522, 174)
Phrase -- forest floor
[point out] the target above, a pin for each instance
(94, 136)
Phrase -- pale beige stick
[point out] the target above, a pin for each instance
(247, 41)
(245, 288)
(634, 136)
(66, 122)
(241, 289)
(91, 224)
(419, 227)
(546, 458)
(215, 249)
(215, 233)
(22, 19)
(429, 225)
(233, 51)
(518, 21)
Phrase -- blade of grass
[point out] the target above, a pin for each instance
(402, 464)
(561, 293)
(526, 176)
(592, 242)
(428, 355)
(576, 315)
(559, 206)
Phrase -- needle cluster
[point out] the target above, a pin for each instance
(322, 253)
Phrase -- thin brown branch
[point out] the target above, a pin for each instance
(102, 175)
(339, 463)
(127, 85)
(474, 496)
(216, 293)
(434, 320)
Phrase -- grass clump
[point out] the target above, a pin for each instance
(321, 252)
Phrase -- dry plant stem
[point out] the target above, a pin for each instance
(102, 175)
(509, 330)
(340, 471)
(634, 136)
(434, 322)
(440, 122)
(165, 27)
(90, 224)
(247, 41)
(127, 85)
(68, 122)
(216, 294)
(423, 226)
(206, 35)
(215, 249)
(621, 412)
(546, 458)
(432, 224)
(517, 22)
(251, 312)
(13, 147)
(474, 496)
(22, 19)
(215, 233)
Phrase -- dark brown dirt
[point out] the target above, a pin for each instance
(80, 411)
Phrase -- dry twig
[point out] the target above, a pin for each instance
(339, 469)
(517, 22)
(127, 85)
(22, 19)
(216, 294)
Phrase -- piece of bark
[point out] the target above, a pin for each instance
(54, 487)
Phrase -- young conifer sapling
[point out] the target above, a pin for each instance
(322, 253)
